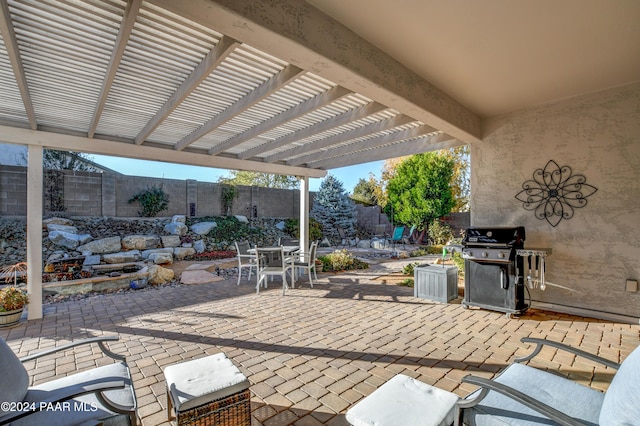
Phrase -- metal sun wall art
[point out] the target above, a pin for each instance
(555, 192)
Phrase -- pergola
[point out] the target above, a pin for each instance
(282, 87)
(267, 87)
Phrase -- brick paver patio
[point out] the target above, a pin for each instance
(315, 352)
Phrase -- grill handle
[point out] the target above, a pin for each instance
(503, 279)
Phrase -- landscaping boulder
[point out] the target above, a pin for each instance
(65, 228)
(203, 228)
(104, 245)
(241, 218)
(179, 218)
(175, 228)
(170, 240)
(122, 257)
(140, 242)
(147, 253)
(161, 258)
(68, 240)
(182, 252)
(56, 220)
(160, 275)
(199, 246)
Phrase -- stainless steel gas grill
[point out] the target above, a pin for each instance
(494, 275)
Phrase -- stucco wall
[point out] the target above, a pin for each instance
(594, 252)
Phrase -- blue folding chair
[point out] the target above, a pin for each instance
(397, 236)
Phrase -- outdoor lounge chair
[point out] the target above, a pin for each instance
(521, 395)
(101, 395)
(397, 236)
(344, 239)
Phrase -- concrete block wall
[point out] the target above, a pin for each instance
(82, 193)
(13, 191)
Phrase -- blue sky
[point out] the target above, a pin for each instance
(349, 176)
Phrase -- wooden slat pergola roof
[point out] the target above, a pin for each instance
(265, 86)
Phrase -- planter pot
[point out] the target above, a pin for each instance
(9, 318)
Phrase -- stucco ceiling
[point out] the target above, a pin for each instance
(495, 56)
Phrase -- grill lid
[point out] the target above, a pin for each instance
(496, 236)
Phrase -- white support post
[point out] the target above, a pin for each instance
(304, 213)
(34, 231)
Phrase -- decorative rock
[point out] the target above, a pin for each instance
(147, 253)
(182, 252)
(378, 244)
(241, 218)
(364, 244)
(175, 228)
(199, 246)
(179, 218)
(325, 243)
(160, 275)
(170, 240)
(122, 257)
(280, 225)
(203, 228)
(68, 240)
(56, 220)
(57, 255)
(105, 245)
(65, 228)
(140, 242)
(186, 245)
(94, 259)
(161, 258)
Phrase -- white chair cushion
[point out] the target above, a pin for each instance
(195, 383)
(404, 401)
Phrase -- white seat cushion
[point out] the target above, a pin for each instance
(195, 383)
(404, 401)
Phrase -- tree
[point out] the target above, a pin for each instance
(420, 191)
(332, 207)
(460, 183)
(365, 191)
(267, 180)
(67, 160)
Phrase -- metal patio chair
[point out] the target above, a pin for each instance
(309, 261)
(245, 259)
(102, 395)
(270, 266)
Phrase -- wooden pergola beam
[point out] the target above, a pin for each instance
(128, 20)
(259, 93)
(219, 53)
(408, 147)
(13, 51)
(337, 121)
(314, 149)
(317, 102)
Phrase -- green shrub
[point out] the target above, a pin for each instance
(408, 269)
(439, 232)
(152, 201)
(291, 227)
(228, 230)
(341, 260)
(458, 260)
(407, 283)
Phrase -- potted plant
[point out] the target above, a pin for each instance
(12, 298)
